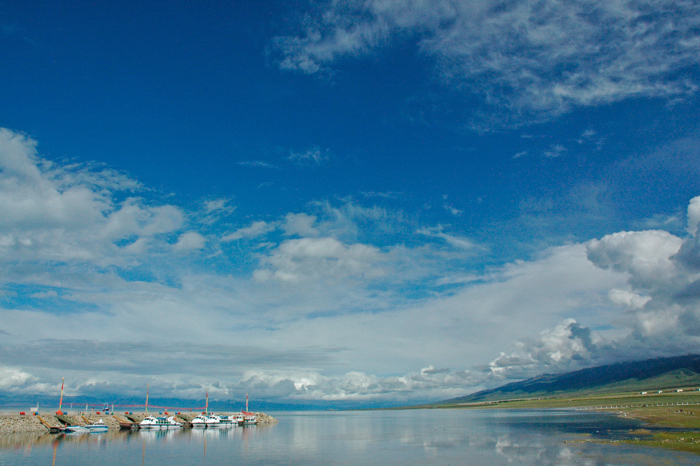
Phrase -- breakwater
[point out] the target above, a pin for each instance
(46, 422)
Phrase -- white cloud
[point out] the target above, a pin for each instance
(68, 214)
(190, 241)
(660, 304)
(258, 163)
(337, 289)
(556, 150)
(541, 57)
(255, 230)
(304, 259)
(645, 255)
(693, 215)
(300, 225)
(358, 386)
(628, 299)
(12, 378)
(553, 349)
(313, 156)
(458, 242)
(212, 210)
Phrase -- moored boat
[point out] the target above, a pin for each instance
(228, 421)
(160, 423)
(212, 420)
(76, 429)
(94, 428)
(249, 418)
(97, 427)
(199, 421)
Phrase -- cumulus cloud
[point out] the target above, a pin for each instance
(190, 241)
(13, 379)
(694, 215)
(645, 255)
(300, 225)
(555, 349)
(541, 57)
(658, 307)
(70, 213)
(303, 259)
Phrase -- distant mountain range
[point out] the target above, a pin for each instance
(651, 374)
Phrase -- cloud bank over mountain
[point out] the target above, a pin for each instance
(103, 285)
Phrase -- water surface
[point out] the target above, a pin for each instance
(366, 437)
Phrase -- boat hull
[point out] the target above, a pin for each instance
(97, 429)
(76, 430)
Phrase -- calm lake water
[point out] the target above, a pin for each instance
(369, 437)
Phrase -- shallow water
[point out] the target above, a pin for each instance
(364, 437)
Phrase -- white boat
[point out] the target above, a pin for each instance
(94, 428)
(229, 421)
(97, 427)
(249, 418)
(199, 421)
(77, 429)
(203, 420)
(160, 423)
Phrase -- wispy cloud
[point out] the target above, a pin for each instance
(554, 151)
(258, 163)
(459, 242)
(450, 208)
(254, 230)
(539, 58)
(313, 156)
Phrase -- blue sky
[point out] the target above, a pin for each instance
(377, 201)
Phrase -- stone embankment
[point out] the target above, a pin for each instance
(265, 419)
(13, 424)
(41, 423)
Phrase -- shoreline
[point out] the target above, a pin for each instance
(671, 418)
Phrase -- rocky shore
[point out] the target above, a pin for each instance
(42, 423)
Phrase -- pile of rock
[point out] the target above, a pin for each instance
(265, 418)
(12, 424)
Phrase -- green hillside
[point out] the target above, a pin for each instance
(649, 375)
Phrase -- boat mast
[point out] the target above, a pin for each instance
(60, 401)
(246, 402)
(146, 398)
(206, 405)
